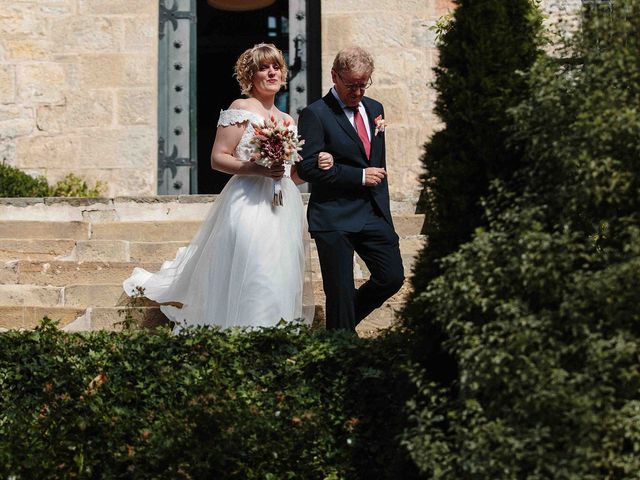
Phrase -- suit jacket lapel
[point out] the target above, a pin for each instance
(343, 121)
(376, 140)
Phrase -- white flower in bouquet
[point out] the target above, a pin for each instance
(275, 143)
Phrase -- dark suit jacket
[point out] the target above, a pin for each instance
(338, 199)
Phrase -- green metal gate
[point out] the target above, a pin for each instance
(177, 165)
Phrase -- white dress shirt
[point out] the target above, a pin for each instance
(348, 111)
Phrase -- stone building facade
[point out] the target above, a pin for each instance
(79, 84)
(78, 90)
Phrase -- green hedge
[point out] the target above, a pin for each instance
(539, 311)
(273, 404)
(15, 183)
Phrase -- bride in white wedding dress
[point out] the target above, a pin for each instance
(246, 265)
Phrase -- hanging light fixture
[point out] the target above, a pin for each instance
(240, 5)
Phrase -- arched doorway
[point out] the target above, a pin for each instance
(200, 41)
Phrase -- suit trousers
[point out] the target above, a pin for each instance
(379, 247)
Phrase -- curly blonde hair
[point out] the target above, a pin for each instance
(249, 62)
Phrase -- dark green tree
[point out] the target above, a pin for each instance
(485, 48)
(483, 51)
(540, 309)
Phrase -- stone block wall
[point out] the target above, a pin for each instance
(561, 18)
(78, 90)
(398, 35)
(78, 84)
(561, 10)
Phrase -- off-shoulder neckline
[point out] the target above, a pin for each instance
(242, 110)
(246, 111)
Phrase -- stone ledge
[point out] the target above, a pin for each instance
(21, 201)
(77, 201)
(399, 206)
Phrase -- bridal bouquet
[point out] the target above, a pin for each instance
(275, 143)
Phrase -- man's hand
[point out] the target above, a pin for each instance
(325, 161)
(373, 176)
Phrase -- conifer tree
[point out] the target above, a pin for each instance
(483, 51)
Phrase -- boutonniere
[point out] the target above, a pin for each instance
(380, 125)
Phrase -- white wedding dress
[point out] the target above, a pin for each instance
(246, 265)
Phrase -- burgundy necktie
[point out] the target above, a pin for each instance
(362, 131)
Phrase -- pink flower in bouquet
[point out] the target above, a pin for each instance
(275, 142)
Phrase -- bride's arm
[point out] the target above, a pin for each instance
(295, 177)
(222, 159)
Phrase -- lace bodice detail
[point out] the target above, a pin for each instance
(234, 116)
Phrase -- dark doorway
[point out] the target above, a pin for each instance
(222, 37)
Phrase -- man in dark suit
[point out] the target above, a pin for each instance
(349, 205)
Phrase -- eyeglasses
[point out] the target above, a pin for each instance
(354, 87)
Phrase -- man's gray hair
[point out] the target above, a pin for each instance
(353, 59)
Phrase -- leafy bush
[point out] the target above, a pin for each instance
(16, 183)
(273, 404)
(73, 186)
(540, 310)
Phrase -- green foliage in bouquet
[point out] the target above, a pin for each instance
(540, 309)
(281, 403)
(16, 183)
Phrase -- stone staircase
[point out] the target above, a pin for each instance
(66, 258)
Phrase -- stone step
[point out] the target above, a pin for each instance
(380, 319)
(79, 319)
(61, 273)
(76, 296)
(35, 249)
(28, 317)
(20, 229)
(124, 251)
(121, 250)
(145, 231)
(66, 258)
(148, 208)
(82, 296)
(87, 250)
(177, 230)
(31, 295)
(113, 318)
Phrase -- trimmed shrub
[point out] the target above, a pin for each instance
(270, 404)
(16, 183)
(74, 186)
(483, 49)
(540, 310)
